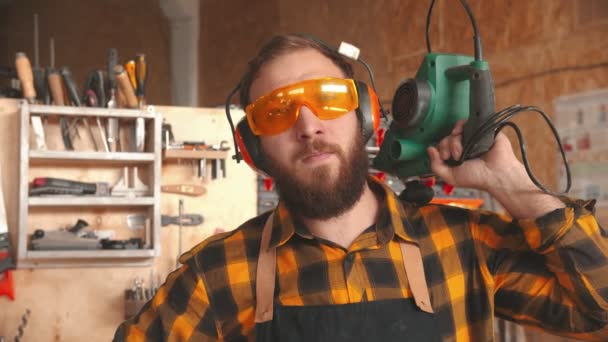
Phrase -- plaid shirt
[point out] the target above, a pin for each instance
(551, 273)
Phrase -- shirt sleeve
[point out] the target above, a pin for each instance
(550, 272)
(179, 311)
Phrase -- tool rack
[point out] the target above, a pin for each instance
(30, 159)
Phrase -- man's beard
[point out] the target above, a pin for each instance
(316, 195)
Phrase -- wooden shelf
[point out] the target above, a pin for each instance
(59, 162)
(148, 113)
(78, 201)
(194, 154)
(102, 157)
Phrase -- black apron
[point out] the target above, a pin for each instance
(386, 320)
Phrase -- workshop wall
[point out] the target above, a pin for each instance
(77, 304)
(84, 30)
(537, 50)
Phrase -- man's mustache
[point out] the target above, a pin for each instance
(318, 146)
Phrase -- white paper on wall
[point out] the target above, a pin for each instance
(582, 122)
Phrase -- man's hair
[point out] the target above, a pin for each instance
(280, 45)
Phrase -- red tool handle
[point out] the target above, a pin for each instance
(6, 280)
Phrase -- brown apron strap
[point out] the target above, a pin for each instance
(414, 270)
(267, 267)
(265, 276)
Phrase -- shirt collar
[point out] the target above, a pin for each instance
(392, 219)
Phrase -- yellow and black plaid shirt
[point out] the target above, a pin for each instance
(551, 273)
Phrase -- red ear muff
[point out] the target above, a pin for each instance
(249, 145)
(368, 110)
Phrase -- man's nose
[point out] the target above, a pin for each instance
(308, 125)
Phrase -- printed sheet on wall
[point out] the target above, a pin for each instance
(582, 123)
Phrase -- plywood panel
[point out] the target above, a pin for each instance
(87, 303)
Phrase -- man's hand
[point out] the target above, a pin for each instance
(480, 173)
(498, 172)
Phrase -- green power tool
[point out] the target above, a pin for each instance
(446, 89)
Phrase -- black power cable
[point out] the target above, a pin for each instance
(499, 120)
(237, 153)
(476, 36)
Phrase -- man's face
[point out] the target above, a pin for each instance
(319, 166)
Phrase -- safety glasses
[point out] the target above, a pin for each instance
(327, 98)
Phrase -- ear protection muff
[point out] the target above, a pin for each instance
(247, 145)
(368, 110)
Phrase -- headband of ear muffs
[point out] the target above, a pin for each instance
(368, 113)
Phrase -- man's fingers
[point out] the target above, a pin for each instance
(438, 166)
(455, 146)
(458, 128)
(444, 148)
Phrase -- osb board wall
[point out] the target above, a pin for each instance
(75, 304)
(84, 30)
(537, 50)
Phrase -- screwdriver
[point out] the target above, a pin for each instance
(141, 74)
(130, 69)
(122, 81)
(75, 99)
(113, 134)
(26, 77)
(56, 89)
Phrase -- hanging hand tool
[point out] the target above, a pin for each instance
(181, 224)
(6, 261)
(113, 129)
(56, 89)
(122, 81)
(75, 99)
(184, 189)
(40, 75)
(224, 147)
(95, 96)
(185, 220)
(130, 70)
(26, 77)
(141, 74)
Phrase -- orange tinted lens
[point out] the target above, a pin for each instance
(333, 98)
(276, 112)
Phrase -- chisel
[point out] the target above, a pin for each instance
(113, 129)
(122, 81)
(56, 89)
(26, 77)
(141, 74)
(75, 99)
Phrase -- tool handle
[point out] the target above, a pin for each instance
(130, 69)
(122, 80)
(141, 75)
(184, 189)
(112, 62)
(70, 86)
(26, 76)
(41, 85)
(95, 84)
(56, 87)
(482, 108)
